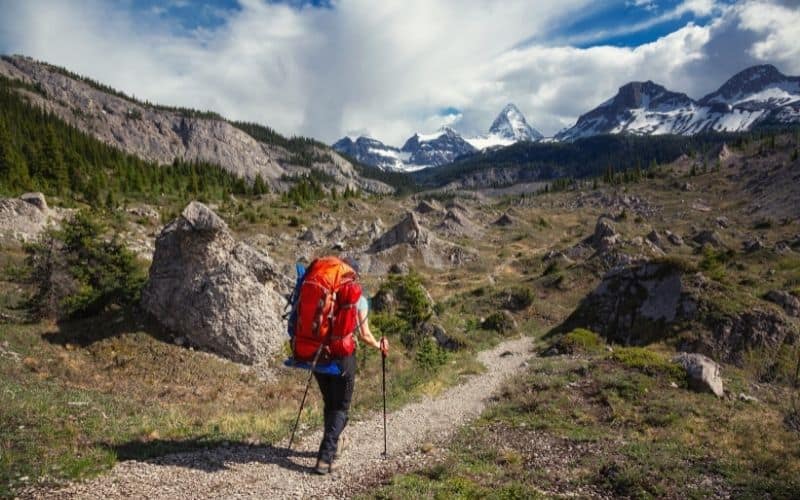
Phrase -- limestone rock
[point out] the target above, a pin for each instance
(605, 235)
(36, 199)
(786, 300)
(703, 373)
(384, 301)
(457, 223)
(220, 295)
(708, 237)
(408, 231)
(674, 238)
(23, 220)
(504, 220)
(426, 207)
(437, 331)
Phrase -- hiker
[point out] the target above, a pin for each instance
(337, 390)
(329, 314)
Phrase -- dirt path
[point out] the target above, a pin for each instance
(266, 472)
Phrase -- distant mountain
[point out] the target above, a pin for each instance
(372, 152)
(760, 94)
(440, 148)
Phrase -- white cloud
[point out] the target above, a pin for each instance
(387, 67)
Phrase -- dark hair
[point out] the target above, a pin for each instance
(350, 261)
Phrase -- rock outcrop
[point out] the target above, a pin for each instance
(426, 207)
(504, 220)
(24, 219)
(605, 235)
(789, 303)
(702, 372)
(631, 302)
(408, 231)
(220, 295)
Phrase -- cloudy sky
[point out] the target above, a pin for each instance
(388, 68)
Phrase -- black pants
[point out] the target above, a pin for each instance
(337, 392)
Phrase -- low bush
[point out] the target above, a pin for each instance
(501, 322)
(77, 271)
(649, 362)
(430, 356)
(578, 341)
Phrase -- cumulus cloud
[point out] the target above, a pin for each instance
(387, 68)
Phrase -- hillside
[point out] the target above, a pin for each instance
(161, 134)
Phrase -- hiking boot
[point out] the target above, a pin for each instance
(322, 468)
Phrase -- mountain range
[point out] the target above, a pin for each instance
(441, 147)
(759, 95)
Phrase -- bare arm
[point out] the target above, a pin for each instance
(365, 334)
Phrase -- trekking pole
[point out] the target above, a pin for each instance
(303, 402)
(385, 446)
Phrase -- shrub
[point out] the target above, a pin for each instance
(649, 362)
(430, 356)
(516, 299)
(78, 272)
(502, 322)
(580, 340)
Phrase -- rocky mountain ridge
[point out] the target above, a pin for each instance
(441, 147)
(756, 95)
(162, 134)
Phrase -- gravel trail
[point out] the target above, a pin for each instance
(268, 472)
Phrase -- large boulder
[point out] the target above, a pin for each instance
(408, 231)
(24, 218)
(605, 235)
(220, 295)
(703, 373)
(633, 304)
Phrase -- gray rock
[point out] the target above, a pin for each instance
(605, 235)
(439, 334)
(384, 301)
(21, 220)
(504, 220)
(654, 237)
(703, 373)
(786, 300)
(753, 245)
(407, 231)
(747, 398)
(674, 238)
(218, 294)
(723, 222)
(708, 237)
(426, 207)
(36, 199)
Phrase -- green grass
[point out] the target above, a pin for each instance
(615, 425)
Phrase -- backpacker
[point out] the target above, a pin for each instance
(324, 313)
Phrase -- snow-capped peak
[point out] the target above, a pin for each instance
(511, 124)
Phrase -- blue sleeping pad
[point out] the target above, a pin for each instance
(331, 368)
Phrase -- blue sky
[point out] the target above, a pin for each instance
(390, 68)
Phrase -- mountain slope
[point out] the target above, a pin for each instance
(759, 94)
(161, 134)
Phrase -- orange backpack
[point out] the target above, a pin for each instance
(326, 312)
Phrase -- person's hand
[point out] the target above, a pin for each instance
(383, 345)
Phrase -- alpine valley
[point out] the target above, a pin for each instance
(612, 312)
